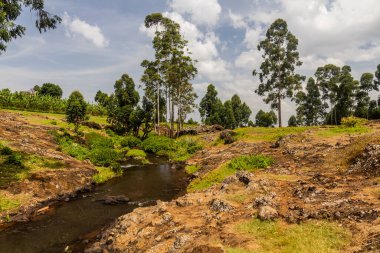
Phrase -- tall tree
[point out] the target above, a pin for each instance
(76, 109)
(310, 106)
(292, 121)
(362, 95)
(228, 116)
(10, 10)
(265, 119)
(172, 67)
(277, 71)
(210, 107)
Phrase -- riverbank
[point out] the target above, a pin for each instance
(315, 197)
(41, 174)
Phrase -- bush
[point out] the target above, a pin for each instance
(103, 156)
(155, 144)
(95, 140)
(353, 121)
(130, 142)
(136, 153)
(14, 159)
(189, 144)
(248, 162)
(6, 151)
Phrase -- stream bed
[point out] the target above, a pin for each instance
(71, 223)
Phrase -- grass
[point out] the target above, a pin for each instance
(104, 174)
(191, 169)
(342, 130)
(279, 237)
(237, 198)
(8, 202)
(138, 154)
(257, 134)
(248, 163)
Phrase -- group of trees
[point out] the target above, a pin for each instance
(332, 95)
(230, 114)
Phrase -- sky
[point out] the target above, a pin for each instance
(99, 40)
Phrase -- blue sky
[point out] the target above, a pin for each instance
(100, 40)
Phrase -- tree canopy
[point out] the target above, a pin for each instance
(278, 79)
(10, 10)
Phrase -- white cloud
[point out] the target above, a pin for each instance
(202, 12)
(75, 26)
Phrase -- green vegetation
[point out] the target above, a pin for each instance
(105, 174)
(249, 163)
(8, 204)
(15, 165)
(353, 121)
(267, 134)
(266, 119)
(309, 237)
(136, 153)
(191, 169)
(130, 142)
(158, 144)
(76, 109)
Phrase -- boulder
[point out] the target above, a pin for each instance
(267, 213)
(114, 200)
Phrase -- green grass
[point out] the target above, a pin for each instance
(138, 154)
(8, 204)
(279, 237)
(104, 174)
(191, 169)
(256, 134)
(249, 163)
(237, 198)
(342, 130)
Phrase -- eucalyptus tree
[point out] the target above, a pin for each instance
(309, 105)
(278, 79)
(172, 68)
(292, 122)
(211, 107)
(265, 119)
(10, 10)
(367, 84)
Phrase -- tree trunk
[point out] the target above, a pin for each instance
(158, 109)
(279, 113)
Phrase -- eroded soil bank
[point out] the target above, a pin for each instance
(315, 179)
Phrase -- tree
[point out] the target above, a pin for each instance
(292, 121)
(229, 118)
(76, 109)
(362, 95)
(122, 104)
(310, 107)
(102, 99)
(265, 119)
(210, 107)
(10, 10)
(277, 71)
(172, 68)
(50, 89)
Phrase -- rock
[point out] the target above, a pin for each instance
(114, 200)
(367, 163)
(179, 242)
(244, 177)
(267, 213)
(228, 136)
(265, 200)
(220, 205)
(207, 249)
(94, 249)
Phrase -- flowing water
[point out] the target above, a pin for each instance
(72, 222)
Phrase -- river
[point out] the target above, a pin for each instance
(71, 223)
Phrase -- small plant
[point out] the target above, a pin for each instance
(136, 153)
(191, 169)
(250, 162)
(95, 140)
(14, 159)
(6, 151)
(353, 121)
(103, 156)
(53, 122)
(105, 174)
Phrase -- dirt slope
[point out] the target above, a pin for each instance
(41, 188)
(309, 181)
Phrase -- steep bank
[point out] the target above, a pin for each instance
(55, 175)
(307, 201)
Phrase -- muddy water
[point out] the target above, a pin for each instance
(73, 222)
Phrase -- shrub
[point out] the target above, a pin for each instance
(14, 159)
(250, 162)
(6, 151)
(103, 156)
(130, 142)
(353, 121)
(155, 144)
(95, 140)
(136, 153)
(189, 144)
